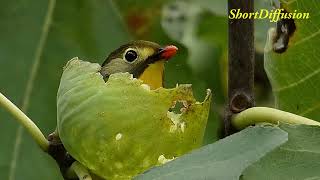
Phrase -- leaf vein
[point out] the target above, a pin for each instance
(299, 150)
(298, 82)
(307, 38)
(310, 109)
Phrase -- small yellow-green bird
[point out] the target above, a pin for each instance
(144, 59)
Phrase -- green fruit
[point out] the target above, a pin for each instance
(120, 128)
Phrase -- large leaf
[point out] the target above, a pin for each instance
(37, 39)
(120, 128)
(297, 159)
(225, 159)
(295, 73)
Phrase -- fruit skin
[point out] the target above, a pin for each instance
(119, 128)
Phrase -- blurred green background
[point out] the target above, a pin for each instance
(38, 37)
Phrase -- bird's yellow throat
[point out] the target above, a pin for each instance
(153, 75)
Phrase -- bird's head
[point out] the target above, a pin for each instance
(144, 59)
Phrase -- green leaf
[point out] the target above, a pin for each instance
(296, 159)
(120, 128)
(225, 159)
(37, 39)
(295, 73)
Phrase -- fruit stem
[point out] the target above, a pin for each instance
(79, 170)
(256, 115)
(25, 121)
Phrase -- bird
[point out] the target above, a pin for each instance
(143, 59)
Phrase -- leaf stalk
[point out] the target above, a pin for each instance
(25, 121)
(78, 170)
(256, 115)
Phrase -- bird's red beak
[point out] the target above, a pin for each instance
(168, 52)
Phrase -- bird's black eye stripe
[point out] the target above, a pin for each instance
(131, 55)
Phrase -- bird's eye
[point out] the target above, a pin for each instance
(131, 55)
